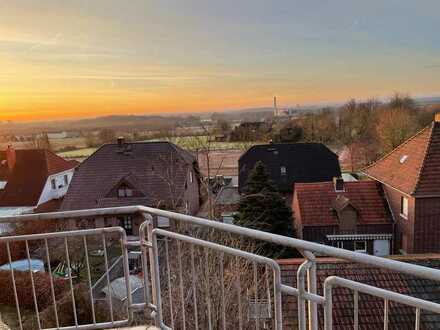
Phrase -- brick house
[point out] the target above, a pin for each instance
(410, 176)
(349, 215)
(155, 174)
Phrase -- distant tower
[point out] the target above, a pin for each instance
(275, 108)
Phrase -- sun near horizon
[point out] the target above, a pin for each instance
(64, 59)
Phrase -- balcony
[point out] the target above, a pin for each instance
(198, 274)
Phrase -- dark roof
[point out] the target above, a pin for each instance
(414, 166)
(304, 162)
(26, 181)
(145, 167)
(315, 203)
(370, 308)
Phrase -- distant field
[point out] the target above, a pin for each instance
(80, 153)
(191, 143)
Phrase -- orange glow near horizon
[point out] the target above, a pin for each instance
(64, 60)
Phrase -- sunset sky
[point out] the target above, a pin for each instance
(79, 58)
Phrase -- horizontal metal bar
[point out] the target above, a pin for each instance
(402, 267)
(308, 296)
(65, 234)
(103, 325)
(333, 281)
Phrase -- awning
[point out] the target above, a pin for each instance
(359, 237)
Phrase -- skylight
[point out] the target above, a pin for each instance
(403, 159)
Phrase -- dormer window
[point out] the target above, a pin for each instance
(124, 191)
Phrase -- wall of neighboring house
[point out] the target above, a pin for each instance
(426, 226)
(49, 192)
(404, 227)
(191, 196)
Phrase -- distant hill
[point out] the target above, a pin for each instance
(154, 122)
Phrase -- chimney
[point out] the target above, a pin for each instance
(11, 157)
(437, 117)
(121, 141)
(338, 184)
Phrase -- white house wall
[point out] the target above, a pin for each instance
(61, 188)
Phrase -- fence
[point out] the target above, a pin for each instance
(192, 282)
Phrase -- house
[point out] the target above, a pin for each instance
(371, 309)
(155, 174)
(226, 204)
(290, 163)
(350, 215)
(410, 176)
(31, 178)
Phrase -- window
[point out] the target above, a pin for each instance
(66, 180)
(125, 191)
(53, 182)
(404, 207)
(340, 244)
(283, 170)
(360, 246)
(127, 223)
(229, 219)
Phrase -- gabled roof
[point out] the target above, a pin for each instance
(26, 181)
(370, 308)
(315, 203)
(303, 162)
(414, 166)
(149, 167)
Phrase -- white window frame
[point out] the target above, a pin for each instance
(340, 244)
(125, 192)
(404, 206)
(360, 250)
(53, 183)
(66, 179)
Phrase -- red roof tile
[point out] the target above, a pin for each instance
(414, 166)
(314, 202)
(370, 308)
(27, 179)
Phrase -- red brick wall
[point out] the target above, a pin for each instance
(427, 225)
(404, 228)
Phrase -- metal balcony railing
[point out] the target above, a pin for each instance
(198, 274)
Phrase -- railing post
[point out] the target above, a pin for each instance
(147, 228)
(328, 306)
(311, 286)
(300, 279)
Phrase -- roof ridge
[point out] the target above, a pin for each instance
(396, 148)
(424, 159)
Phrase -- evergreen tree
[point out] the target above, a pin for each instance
(261, 207)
